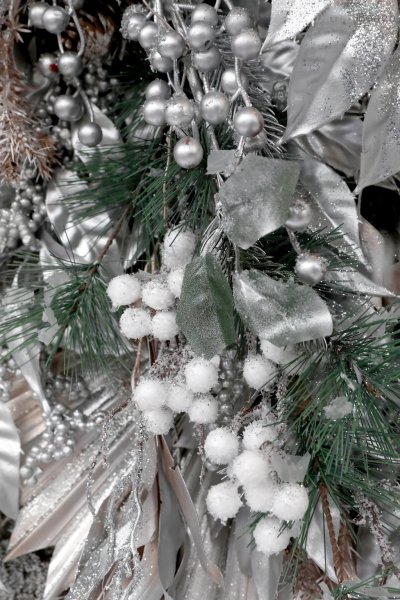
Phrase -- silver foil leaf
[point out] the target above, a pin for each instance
(221, 161)
(267, 571)
(282, 313)
(255, 199)
(356, 282)
(340, 59)
(317, 547)
(10, 450)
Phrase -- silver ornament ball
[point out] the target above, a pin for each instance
(68, 108)
(188, 153)
(207, 61)
(205, 13)
(154, 111)
(300, 215)
(246, 44)
(148, 35)
(132, 26)
(248, 121)
(214, 107)
(157, 89)
(161, 63)
(55, 19)
(70, 64)
(36, 12)
(257, 142)
(47, 64)
(179, 111)
(310, 268)
(90, 134)
(200, 36)
(237, 20)
(171, 45)
(229, 82)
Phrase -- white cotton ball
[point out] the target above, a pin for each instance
(221, 446)
(201, 375)
(179, 398)
(291, 502)
(150, 394)
(178, 248)
(163, 325)
(124, 290)
(135, 323)
(268, 536)
(260, 497)
(257, 433)
(156, 294)
(159, 421)
(250, 468)
(175, 280)
(258, 371)
(223, 501)
(204, 410)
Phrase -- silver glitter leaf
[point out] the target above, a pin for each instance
(380, 156)
(282, 313)
(290, 17)
(316, 547)
(255, 199)
(205, 309)
(10, 451)
(356, 282)
(267, 571)
(340, 59)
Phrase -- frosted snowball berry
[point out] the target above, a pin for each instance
(250, 468)
(179, 398)
(124, 290)
(223, 501)
(135, 323)
(221, 446)
(175, 280)
(156, 294)
(204, 410)
(178, 248)
(258, 371)
(260, 497)
(291, 502)
(159, 421)
(268, 536)
(201, 375)
(257, 433)
(163, 325)
(150, 394)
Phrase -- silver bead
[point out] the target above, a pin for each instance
(188, 153)
(225, 409)
(36, 12)
(26, 472)
(31, 481)
(90, 134)
(132, 27)
(47, 64)
(248, 121)
(237, 19)
(157, 89)
(45, 457)
(310, 268)
(246, 44)
(224, 396)
(206, 13)
(67, 450)
(161, 63)
(55, 19)
(171, 45)
(68, 108)
(154, 111)
(179, 111)
(70, 64)
(300, 215)
(148, 35)
(229, 82)
(200, 36)
(214, 107)
(207, 61)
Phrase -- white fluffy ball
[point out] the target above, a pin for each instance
(156, 294)
(257, 433)
(179, 398)
(163, 325)
(260, 497)
(201, 375)
(250, 468)
(175, 280)
(150, 394)
(204, 410)
(268, 537)
(291, 502)
(135, 323)
(159, 421)
(178, 248)
(124, 290)
(221, 446)
(258, 370)
(223, 501)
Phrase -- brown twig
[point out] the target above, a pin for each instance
(337, 559)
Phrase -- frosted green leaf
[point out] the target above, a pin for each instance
(205, 310)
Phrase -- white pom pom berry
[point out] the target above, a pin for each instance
(124, 290)
(135, 323)
(221, 446)
(150, 394)
(257, 433)
(175, 280)
(268, 536)
(178, 248)
(179, 398)
(201, 375)
(258, 371)
(291, 502)
(223, 501)
(204, 410)
(156, 294)
(250, 468)
(163, 325)
(159, 421)
(260, 497)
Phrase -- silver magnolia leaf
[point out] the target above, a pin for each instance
(340, 59)
(282, 313)
(356, 282)
(10, 451)
(277, 64)
(290, 17)
(380, 156)
(255, 199)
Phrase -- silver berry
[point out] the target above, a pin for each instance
(214, 107)
(132, 25)
(36, 12)
(248, 121)
(68, 108)
(161, 63)
(229, 82)
(207, 61)
(171, 45)
(157, 89)
(246, 44)
(310, 268)
(47, 64)
(237, 20)
(148, 35)
(206, 13)
(300, 215)
(179, 111)
(55, 19)
(90, 134)
(200, 36)
(154, 111)
(70, 64)
(188, 153)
